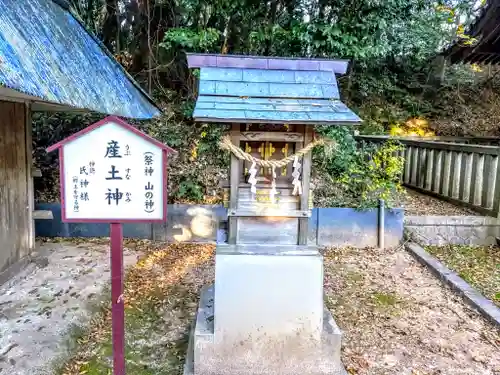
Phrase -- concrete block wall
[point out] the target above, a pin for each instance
(458, 230)
(206, 223)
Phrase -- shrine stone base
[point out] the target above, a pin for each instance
(294, 354)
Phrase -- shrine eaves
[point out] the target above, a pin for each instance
(270, 90)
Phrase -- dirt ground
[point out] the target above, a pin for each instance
(397, 318)
(48, 301)
(420, 205)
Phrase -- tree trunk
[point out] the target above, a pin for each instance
(110, 24)
(269, 33)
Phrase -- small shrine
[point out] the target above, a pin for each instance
(265, 313)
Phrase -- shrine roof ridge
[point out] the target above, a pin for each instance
(244, 89)
(269, 63)
(117, 121)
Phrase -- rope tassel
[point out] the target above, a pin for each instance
(226, 144)
(273, 191)
(252, 180)
(297, 184)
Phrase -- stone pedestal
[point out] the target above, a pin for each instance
(272, 355)
(265, 315)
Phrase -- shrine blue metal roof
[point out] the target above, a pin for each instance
(256, 89)
(46, 53)
(230, 109)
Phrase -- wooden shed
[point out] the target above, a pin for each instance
(486, 47)
(48, 62)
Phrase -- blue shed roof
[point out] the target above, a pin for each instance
(47, 54)
(256, 89)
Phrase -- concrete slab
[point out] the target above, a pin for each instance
(266, 249)
(358, 228)
(287, 356)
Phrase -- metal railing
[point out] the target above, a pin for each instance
(464, 174)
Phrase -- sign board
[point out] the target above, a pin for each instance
(111, 172)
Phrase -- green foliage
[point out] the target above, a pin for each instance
(47, 130)
(390, 45)
(375, 174)
(195, 172)
(346, 150)
(358, 176)
(190, 190)
(191, 40)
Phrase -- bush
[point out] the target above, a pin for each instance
(350, 177)
(357, 176)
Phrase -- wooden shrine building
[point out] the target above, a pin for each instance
(272, 105)
(48, 62)
(265, 312)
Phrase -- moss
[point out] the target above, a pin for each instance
(385, 299)
(477, 265)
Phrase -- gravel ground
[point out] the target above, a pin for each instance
(398, 319)
(423, 205)
(40, 305)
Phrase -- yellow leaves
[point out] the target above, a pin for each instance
(194, 152)
(465, 39)
(396, 131)
(414, 127)
(417, 123)
(476, 68)
(444, 8)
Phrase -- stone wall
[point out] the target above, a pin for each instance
(459, 230)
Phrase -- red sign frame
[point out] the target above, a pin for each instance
(116, 120)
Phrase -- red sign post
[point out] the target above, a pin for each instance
(110, 172)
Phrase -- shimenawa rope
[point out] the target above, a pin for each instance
(227, 145)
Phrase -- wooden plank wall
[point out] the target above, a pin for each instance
(463, 174)
(15, 215)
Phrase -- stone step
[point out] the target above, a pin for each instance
(268, 249)
(42, 215)
(208, 356)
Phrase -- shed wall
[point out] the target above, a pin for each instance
(15, 214)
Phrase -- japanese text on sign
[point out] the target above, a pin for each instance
(121, 178)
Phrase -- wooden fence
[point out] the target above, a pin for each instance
(463, 174)
(485, 141)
